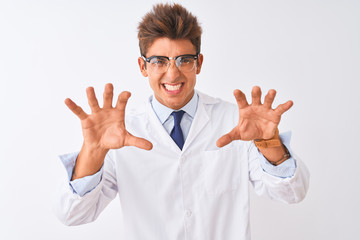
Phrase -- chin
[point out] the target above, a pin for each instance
(175, 105)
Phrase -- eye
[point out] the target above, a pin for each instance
(159, 62)
(186, 60)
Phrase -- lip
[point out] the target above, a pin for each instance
(173, 92)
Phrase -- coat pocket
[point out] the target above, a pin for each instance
(222, 171)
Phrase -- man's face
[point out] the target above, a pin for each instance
(173, 88)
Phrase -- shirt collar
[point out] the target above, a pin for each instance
(163, 112)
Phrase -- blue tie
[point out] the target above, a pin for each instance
(176, 134)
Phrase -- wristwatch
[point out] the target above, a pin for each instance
(283, 159)
(268, 143)
(273, 142)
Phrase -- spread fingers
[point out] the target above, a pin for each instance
(228, 138)
(108, 95)
(93, 102)
(122, 100)
(256, 96)
(75, 109)
(138, 142)
(284, 107)
(269, 98)
(240, 98)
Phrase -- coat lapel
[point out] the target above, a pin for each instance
(157, 131)
(202, 117)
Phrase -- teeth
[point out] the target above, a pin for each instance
(172, 87)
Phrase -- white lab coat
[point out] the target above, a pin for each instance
(199, 193)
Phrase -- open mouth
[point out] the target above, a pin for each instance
(173, 88)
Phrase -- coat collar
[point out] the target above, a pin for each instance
(206, 99)
(202, 117)
(163, 112)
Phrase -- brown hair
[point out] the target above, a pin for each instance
(168, 20)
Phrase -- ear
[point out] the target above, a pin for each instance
(200, 61)
(141, 63)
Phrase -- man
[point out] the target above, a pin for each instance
(182, 163)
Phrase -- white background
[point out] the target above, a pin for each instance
(308, 50)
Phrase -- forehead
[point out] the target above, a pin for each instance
(170, 48)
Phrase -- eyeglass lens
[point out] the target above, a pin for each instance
(183, 63)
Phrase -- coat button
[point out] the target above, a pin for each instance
(188, 213)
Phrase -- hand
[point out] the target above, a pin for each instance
(257, 120)
(104, 128)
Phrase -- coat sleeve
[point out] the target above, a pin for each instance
(73, 209)
(288, 190)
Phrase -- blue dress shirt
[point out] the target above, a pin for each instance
(167, 120)
(86, 184)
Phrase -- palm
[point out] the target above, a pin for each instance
(257, 120)
(105, 127)
(257, 123)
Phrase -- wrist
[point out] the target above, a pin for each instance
(89, 161)
(93, 150)
(285, 157)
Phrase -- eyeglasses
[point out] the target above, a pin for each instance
(160, 64)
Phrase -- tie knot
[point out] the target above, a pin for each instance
(177, 116)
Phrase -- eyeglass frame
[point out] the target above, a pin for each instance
(195, 56)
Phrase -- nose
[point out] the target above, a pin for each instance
(173, 72)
